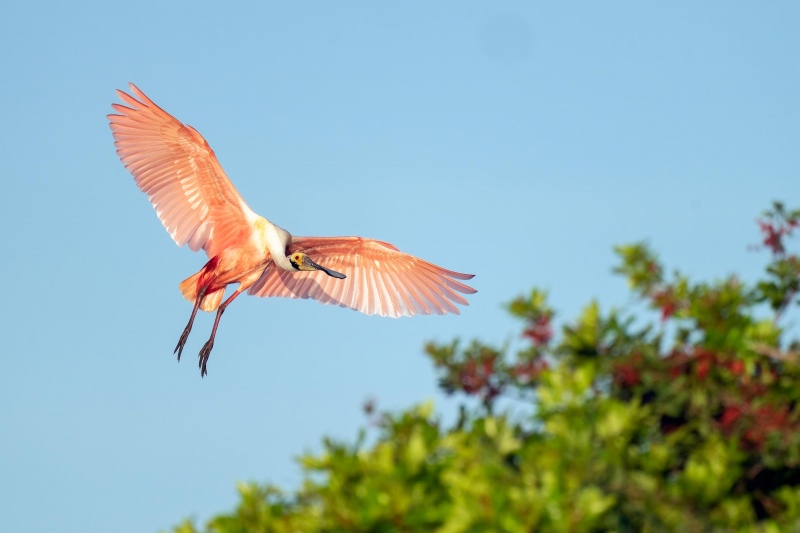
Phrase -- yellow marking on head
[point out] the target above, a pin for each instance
(296, 260)
(302, 262)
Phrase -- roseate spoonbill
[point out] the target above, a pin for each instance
(199, 206)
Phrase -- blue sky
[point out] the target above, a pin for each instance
(518, 141)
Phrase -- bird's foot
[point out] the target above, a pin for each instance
(182, 342)
(205, 352)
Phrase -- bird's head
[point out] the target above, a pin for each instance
(303, 263)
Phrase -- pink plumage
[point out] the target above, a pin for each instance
(199, 206)
(380, 279)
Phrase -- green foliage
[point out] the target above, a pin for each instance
(684, 420)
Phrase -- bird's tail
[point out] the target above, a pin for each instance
(191, 285)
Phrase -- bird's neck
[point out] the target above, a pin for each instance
(275, 239)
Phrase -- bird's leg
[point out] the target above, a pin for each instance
(185, 335)
(205, 351)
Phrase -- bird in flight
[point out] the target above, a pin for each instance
(199, 206)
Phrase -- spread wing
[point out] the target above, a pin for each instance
(381, 280)
(177, 170)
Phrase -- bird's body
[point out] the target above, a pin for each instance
(200, 207)
(242, 262)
